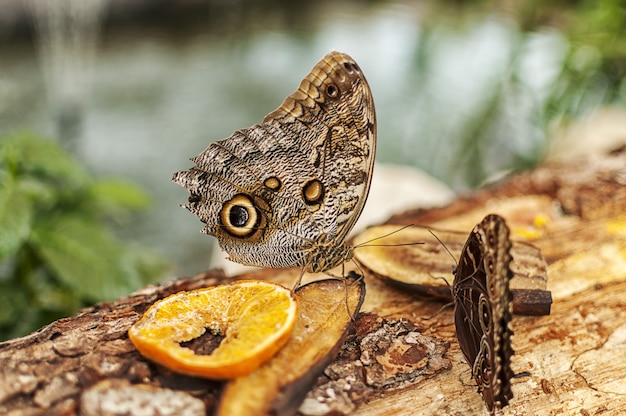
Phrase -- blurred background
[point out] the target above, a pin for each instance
(102, 100)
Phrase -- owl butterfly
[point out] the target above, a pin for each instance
(286, 192)
(483, 309)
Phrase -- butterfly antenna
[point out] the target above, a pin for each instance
(456, 261)
(367, 243)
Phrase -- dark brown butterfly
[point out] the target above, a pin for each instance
(483, 309)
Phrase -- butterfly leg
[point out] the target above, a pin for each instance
(361, 272)
(354, 280)
(297, 284)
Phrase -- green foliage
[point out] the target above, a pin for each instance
(510, 127)
(56, 251)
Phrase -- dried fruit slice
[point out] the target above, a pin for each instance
(255, 319)
(279, 386)
(424, 268)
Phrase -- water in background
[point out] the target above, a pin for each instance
(150, 98)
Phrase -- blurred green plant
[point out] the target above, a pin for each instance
(57, 253)
(578, 49)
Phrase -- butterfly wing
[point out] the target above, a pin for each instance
(483, 309)
(273, 192)
(336, 98)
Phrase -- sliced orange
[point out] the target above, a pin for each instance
(254, 317)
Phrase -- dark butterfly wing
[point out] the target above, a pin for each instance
(483, 309)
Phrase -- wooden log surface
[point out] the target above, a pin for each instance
(403, 358)
(576, 356)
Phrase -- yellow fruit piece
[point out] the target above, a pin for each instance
(254, 317)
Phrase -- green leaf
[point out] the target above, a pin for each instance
(12, 304)
(16, 216)
(56, 251)
(26, 154)
(150, 265)
(83, 255)
(117, 196)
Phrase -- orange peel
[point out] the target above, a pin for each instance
(254, 317)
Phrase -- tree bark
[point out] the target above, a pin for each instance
(575, 357)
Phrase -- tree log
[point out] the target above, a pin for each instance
(571, 362)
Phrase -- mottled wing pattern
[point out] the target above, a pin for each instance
(483, 309)
(336, 101)
(287, 191)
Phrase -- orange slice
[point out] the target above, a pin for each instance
(254, 317)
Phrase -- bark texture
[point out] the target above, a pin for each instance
(403, 358)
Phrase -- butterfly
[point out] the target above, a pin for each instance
(286, 192)
(483, 309)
